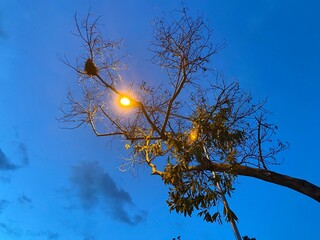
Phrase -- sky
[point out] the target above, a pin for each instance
(66, 184)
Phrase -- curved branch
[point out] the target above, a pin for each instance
(173, 98)
(153, 167)
(296, 184)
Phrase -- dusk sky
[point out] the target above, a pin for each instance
(59, 184)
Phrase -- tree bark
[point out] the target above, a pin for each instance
(296, 184)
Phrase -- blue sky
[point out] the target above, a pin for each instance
(48, 189)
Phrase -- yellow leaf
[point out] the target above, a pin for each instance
(127, 146)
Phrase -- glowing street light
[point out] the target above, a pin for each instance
(193, 135)
(125, 101)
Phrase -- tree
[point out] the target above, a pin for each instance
(194, 130)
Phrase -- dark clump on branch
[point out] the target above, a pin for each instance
(90, 68)
(247, 238)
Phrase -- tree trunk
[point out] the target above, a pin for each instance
(296, 184)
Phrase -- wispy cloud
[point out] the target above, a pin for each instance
(9, 230)
(43, 235)
(3, 204)
(24, 200)
(18, 232)
(89, 237)
(95, 186)
(4, 179)
(22, 150)
(51, 235)
(5, 163)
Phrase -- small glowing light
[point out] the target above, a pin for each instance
(193, 135)
(125, 101)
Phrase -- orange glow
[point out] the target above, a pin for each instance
(193, 135)
(125, 101)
